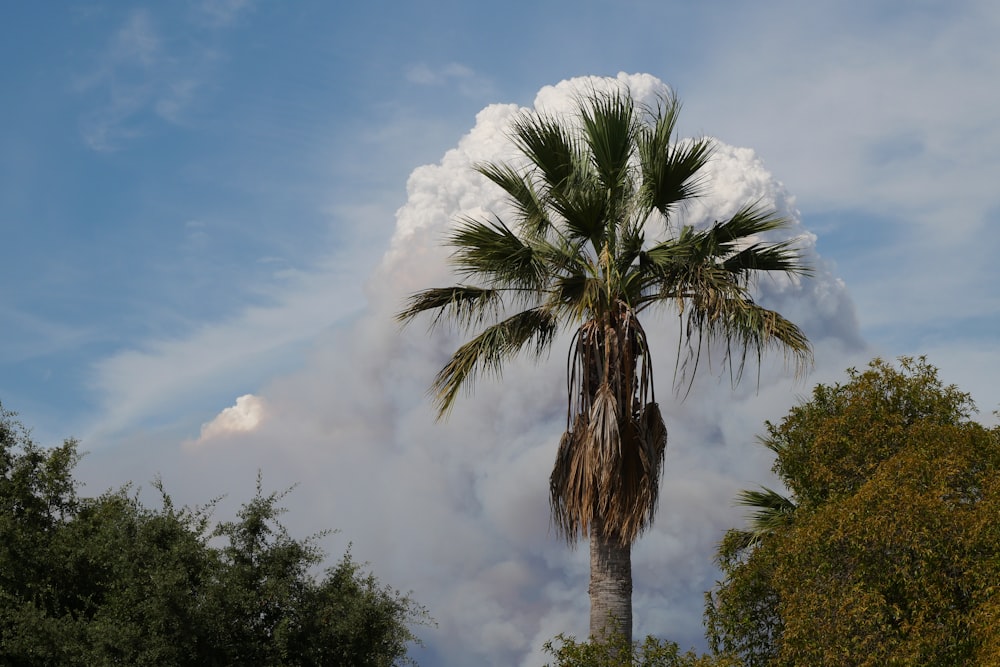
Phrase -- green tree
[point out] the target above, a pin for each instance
(888, 550)
(615, 650)
(595, 242)
(108, 581)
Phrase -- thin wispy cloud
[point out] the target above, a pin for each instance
(886, 109)
(222, 13)
(145, 76)
(452, 75)
(885, 128)
(124, 81)
(135, 384)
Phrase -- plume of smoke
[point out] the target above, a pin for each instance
(458, 511)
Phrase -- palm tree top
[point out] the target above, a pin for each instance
(596, 232)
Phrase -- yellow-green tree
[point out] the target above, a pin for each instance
(887, 551)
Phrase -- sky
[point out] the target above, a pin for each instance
(211, 209)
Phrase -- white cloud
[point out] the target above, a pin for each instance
(244, 417)
(870, 119)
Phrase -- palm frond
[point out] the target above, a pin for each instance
(751, 219)
(549, 147)
(496, 255)
(671, 171)
(463, 304)
(779, 257)
(630, 242)
(532, 215)
(772, 512)
(584, 212)
(534, 328)
(567, 177)
(719, 262)
(706, 280)
(609, 129)
(749, 328)
(744, 329)
(576, 295)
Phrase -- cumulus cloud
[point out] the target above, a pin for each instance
(243, 417)
(458, 511)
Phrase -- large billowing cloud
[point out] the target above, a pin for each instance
(457, 511)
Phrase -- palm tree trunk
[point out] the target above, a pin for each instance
(610, 585)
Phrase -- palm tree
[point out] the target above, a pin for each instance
(593, 243)
(772, 511)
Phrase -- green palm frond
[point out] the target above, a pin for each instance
(738, 236)
(671, 171)
(496, 255)
(775, 258)
(550, 148)
(630, 242)
(534, 328)
(609, 129)
(712, 246)
(565, 174)
(750, 220)
(464, 305)
(533, 217)
(576, 295)
(772, 512)
(753, 329)
(583, 212)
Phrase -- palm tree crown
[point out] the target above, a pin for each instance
(593, 242)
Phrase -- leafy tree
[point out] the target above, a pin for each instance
(106, 580)
(615, 650)
(888, 550)
(595, 241)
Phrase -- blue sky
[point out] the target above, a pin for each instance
(197, 200)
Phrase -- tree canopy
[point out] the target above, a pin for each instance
(616, 651)
(106, 580)
(887, 551)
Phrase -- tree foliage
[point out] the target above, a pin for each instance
(888, 550)
(106, 580)
(617, 651)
